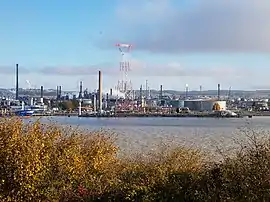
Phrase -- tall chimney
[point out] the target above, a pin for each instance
(218, 91)
(41, 94)
(100, 90)
(57, 92)
(161, 91)
(146, 89)
(229, 93)
(111, 92)
(17, 81)
(95, 102)
(186, 91)
(60, 92)
(81, 86)
(41, 91)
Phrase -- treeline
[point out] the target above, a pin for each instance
(41, 162)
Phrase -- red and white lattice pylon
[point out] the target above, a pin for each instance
(124, 85)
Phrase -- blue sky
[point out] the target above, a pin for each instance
(175, 42)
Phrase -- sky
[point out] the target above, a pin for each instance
(174, 43)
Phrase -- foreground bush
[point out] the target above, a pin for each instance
(41, 162)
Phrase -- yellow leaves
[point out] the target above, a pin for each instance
(43, 161)
(41, 158)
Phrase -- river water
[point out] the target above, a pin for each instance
(144, 134)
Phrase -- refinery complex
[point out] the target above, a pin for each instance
(126, 100)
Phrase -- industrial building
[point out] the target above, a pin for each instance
(205, 105)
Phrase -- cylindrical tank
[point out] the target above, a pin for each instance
(87, 102)
(205, 105)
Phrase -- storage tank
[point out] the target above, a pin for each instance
(177, 103)
(86, 101)
(205, 105)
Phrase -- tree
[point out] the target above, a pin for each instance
(68, 105)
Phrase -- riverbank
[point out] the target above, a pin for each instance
(171, 115)
(94, 172)
(240, 114)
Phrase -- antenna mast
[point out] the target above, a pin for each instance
(125, 85)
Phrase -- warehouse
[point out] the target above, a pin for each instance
(205, 105)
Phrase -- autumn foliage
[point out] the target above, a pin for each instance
(40, 162)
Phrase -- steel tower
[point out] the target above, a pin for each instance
(124, 85)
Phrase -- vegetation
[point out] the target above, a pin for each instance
(68, 105)
(41, 162)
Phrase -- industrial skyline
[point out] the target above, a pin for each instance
(68, 46)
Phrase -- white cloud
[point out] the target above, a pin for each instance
(200, 26)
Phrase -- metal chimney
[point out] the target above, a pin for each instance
(41, 94)
(57, 92)
(218, 91)
(111, 92)
(161, 91)
(17, 81)
(146, 89)
(186, 91)
(141, 94)
(100, 90)
(60, 92)
(41, 91)
(81, 86)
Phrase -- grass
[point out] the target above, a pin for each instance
(43, 162)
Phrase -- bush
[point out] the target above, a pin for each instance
(40, 162)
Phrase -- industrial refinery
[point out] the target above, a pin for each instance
(125, 101)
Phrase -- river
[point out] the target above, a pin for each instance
(142, 134)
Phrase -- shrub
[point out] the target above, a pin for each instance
(44, 162)
(41, 162)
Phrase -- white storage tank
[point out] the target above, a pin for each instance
(86, 101)
(205, 105)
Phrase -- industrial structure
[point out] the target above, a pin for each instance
(17, 81)
(124, 86)
(205, 105)
(128, 99)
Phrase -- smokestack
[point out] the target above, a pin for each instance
(107, 96)
(17, 81)
(95, 102)
(111, 92)
(140, 96)
(200, 90)
(186, 91)
(57, 92)
(41, 94)
(146, 89)
(81, 86)
(100, 90)
(60, 92)
(229, 93)
(41, 91)
(218, 91)
(161, 91)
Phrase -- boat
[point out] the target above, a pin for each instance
(225, 114)
(24, 113)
